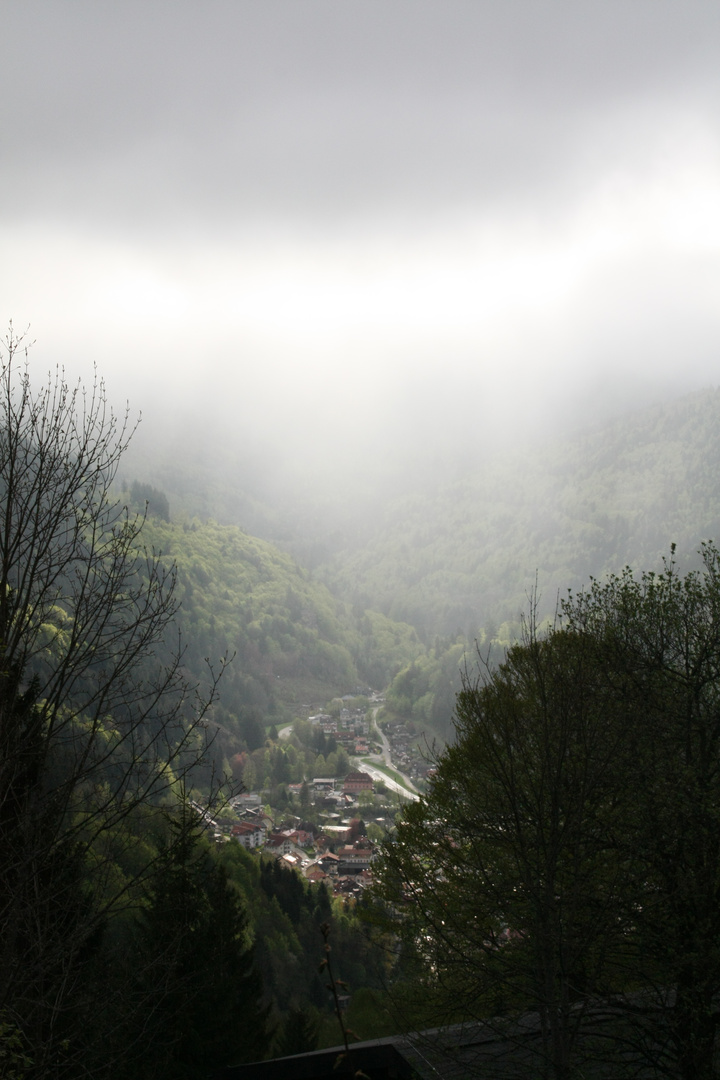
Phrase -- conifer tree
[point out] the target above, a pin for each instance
(198, 987)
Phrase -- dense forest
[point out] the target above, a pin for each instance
(461, 554)
(289, 642)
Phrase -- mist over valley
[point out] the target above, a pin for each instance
(416, 568)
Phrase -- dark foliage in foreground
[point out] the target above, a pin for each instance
(568, 851)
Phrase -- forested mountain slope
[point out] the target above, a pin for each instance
(291, 642)
(464, 555)
(456, 547)
(452, 553)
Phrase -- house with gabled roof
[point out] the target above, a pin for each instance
(251, 834)
(315, 873)
(357, 781)
(353, 858)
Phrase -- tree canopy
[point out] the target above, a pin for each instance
(565, 863)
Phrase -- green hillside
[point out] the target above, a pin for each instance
(291, 642)
(356, 590)
(464, 555)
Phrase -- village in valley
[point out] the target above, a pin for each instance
(330, 827)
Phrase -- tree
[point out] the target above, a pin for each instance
(146, 496)
(193, 934)
(504, 872)
(375, 833)
(97, 721)
(343, 762)
(305, 801)
(659, 661)
(299, 1033)
(565, 863)
(357, 829)
(249, 775)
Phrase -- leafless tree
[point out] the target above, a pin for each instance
(97, 719)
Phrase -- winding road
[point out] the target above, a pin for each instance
(407, 788)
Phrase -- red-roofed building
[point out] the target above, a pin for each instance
(357, 781)
(354, 858)
(329, 862)
(279, 844)
(315, 874)
(250, 834)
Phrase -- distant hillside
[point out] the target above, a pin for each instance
(465, 555)
(292, 643)
(452, 555)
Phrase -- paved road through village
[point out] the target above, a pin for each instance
(406, 788)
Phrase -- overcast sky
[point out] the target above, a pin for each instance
(332, 220)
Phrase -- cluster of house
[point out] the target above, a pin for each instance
(328, 854)
(346, 869)
(349, 730)
(324, 787)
